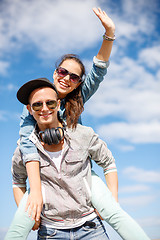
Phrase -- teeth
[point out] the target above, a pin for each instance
(64, 84)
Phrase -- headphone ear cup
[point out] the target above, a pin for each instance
(53, 135)
(47, 137)
(58, 134)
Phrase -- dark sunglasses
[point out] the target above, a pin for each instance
(51, 104)
(62, 72)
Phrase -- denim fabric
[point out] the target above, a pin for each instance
(89, 87)
(92, 82)
(90, 230)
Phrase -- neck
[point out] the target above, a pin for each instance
(53, 147)
(53, 125)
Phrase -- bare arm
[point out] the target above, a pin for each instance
(112, 183)
(18, 193)
(35, 201)
(106, 47)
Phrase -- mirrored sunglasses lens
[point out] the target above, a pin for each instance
(74, 78)
(37, 106)
(51, 104)
(62, 72)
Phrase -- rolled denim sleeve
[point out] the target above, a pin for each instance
(94, 78)
(27, 148)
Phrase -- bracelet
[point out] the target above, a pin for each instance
(105, 37)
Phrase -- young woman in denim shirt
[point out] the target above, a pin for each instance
(74, 92)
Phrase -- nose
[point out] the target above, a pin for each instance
(67, 78)
(45, 107)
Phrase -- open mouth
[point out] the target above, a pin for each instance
(64, 84)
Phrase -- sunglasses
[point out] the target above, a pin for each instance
(62, 72)
(51, 104)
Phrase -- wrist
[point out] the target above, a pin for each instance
(110, 32)
(108, 38)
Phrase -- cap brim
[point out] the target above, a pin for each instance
(25, 91)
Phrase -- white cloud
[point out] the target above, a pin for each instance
(124, 148)
(57, 26)
(137, 201)
(141, 175)
(130, 93)
(4, 65)
(150, 221)
(134, 188)
(150, 56)
(132, 132)
(134, 20)
(8, 87)
(51, 26)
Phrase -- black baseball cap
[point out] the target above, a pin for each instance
(25, 91)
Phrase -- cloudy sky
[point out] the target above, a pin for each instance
(125, 111)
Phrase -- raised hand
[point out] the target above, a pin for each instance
(106, 21)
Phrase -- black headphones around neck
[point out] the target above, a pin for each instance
(52, 136)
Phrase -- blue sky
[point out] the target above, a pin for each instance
(125, 111)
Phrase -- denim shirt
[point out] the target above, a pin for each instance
(27, 123)
(66, 193)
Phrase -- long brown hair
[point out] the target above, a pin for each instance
(74, 101)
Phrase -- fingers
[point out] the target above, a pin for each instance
(95, 11)
(39, 209)
(106, 21)
(98, 11)
(36, 225)
(34, 211)
(34, 205)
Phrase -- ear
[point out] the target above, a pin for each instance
(29, 109)
(58, 105)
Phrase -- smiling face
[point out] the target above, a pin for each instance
(46, 117)
(63, 84)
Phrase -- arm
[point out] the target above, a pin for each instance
(18, 193)
(106, 47)
(100, 153)
(112, 183)
(31, 159)
(100, 62)
(19, 175)
(35, 201)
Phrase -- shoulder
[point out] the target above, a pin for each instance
(80, 131)
(17, 161)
